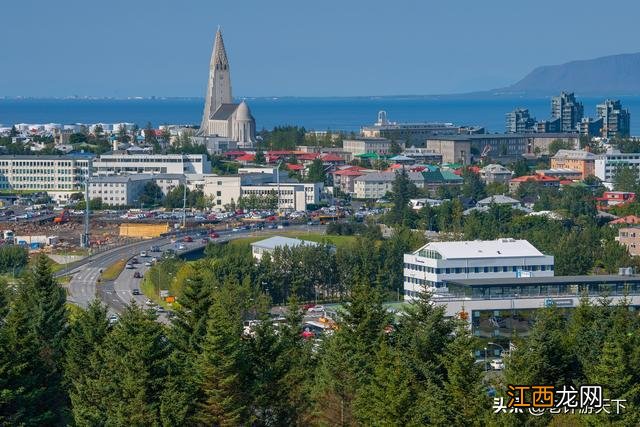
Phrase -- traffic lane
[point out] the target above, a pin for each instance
(82, 287)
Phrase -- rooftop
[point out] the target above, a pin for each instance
(517, 281)
(574, 155)
(500, 248)
(280, 241)
(499, 199)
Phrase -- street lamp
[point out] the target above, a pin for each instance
(485, 359)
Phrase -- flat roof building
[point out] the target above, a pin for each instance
(259, 248)
(436, 263)
(121, 163)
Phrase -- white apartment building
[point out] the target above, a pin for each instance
(369, 145)
(118, 190)
(227, 190)
(433, 265)
(114, 164)
(376, 185)
(59, 176)
(607, 164)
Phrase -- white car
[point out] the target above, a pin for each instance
(143, 254)
(316, 309)
(129, 266)
(147, 264)
(497, 364)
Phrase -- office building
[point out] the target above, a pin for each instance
(435, 264)
(118, 190)
(629, 237)
(119, 163)
(59, 176)
(591, 127)
(615, 119)
(607, 164)
(377, 184)
(380, 146)
(519, 121)
(570, 112)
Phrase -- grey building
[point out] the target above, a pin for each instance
(615, 120)
(566, 108)
(520, 121)
(118, 190)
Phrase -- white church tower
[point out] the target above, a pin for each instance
(222, 119)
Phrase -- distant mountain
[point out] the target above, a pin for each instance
(605, 76)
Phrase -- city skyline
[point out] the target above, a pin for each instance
(344, 50)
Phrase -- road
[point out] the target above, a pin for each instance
(117, 294)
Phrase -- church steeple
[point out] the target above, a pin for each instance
(219, 84)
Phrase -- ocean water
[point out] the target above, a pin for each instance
(348, 114)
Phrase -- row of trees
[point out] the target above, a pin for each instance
(202, 369)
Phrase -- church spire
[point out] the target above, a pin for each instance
(219, 56)
(219, 83)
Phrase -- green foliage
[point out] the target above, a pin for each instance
(283, 137)
(316, 172)
(32, 339)
(259, 202)
(472, 186)
(625, 179)
(560, 144)
(151, 194)
(260, 158)
(402, 191)
(13, 258)
(78, 138)
(175, 198)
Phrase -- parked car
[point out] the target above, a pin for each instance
(187, 239)
(147, 264)
(135, 291)
(214, 235)
(134, 261)
(316, 309)
(144, 254)
(137, 275)
(129, 266)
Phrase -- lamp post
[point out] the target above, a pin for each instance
(485, 359)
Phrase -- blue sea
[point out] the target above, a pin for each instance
(348, 114)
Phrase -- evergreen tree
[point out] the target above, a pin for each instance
(32, 352)
(316, 172)
(389, 398)
(86, 335)
(133, 369)
(221, 369)
(260, 158)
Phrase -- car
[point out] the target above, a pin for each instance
(113, 318)
(235, 229)
(497, 364)
(316, 309)
(155, 249)
(205, 240)
(137, 275)
(144, 254)
(181, 247)
(135, 291)
(187, 239)
(149, 302)
(213, 235)
(129, 266)
(134, 261)
(147, 264)
(160, 310)
(154, 260)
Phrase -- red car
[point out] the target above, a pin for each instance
(187, 239)
(214, 235)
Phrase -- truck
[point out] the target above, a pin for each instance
(62, 218)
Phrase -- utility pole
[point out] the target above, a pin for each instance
(184, 204)
(85, 232)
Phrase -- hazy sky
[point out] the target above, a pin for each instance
(298, 47)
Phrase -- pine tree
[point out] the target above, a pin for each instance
(133, 369)
(389, 399)
(221, 367)
(260, 158)
(32, 352)
(86, 335)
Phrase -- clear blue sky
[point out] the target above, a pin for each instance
(297, 47)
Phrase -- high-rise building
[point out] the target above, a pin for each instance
(519, 121)
(615, 120)
(222, 118)
(568, 110)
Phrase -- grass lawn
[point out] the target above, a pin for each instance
(147, 288)
(113, 271)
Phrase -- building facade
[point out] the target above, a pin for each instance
(114, 164)
(59, 176)
(570, 112)
(615, 119)
(582, 161)
(376, 185)
(435, 264)
(629, 237)
(519, 121)
(118, 190)
(495, 173)
(607, 164)
(380, 146)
